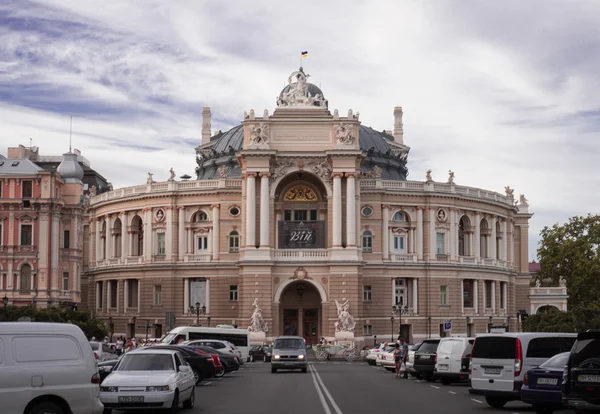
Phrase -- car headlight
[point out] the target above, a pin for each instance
(160, 388)
(109, 389)
(276, 357)
(300, 356)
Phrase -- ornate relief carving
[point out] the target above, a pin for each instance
(300, 274)
(324, 280)
(259, 135)
(343, 134)
(257, 323)
(276, 280)
(159, 215)
(441, 215)
(280, 167)
(345, 322)
(223, 170)
(322, 169)
(300, 193)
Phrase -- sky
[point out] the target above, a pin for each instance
(500, 92)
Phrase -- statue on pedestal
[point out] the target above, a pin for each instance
(257, 323)
(345, 322)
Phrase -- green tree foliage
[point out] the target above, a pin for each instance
(572, 252)
(91, 327)
(578, 320)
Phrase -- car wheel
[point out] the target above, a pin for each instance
(197, 377)
(495, 402)
(220, 373)
(273, 370)
(446, 381)
(189, 404)
(175, 403)
(46, 408)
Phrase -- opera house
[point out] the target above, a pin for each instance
(307, 214)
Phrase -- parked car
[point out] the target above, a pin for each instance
(128, 386)
(103, 351)
(222, 347)
(425, 358)
(385, 358)
(581, 387)
(289, 352)
(230, 362)
(105, 368)
(373, 352)
(43, 363)
(202, 365)
(453, 357)
(499, 362)
(268, 352)
(256, 352)
(411, 360)
(542, 385)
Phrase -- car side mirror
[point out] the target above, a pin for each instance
(185, 368)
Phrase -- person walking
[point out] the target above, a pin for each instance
(403, 357)
(397, 359)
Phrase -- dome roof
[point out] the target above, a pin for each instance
(69, 169)
(313, 90)
(379, 146)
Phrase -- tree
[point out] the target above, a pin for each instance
(578, 320)
(572, 252)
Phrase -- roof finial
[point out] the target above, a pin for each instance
(70, 134)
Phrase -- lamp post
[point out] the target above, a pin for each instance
(208, 318)
(392, 321)
(490, 323)
(34, 297)
(468, 326)
(429, 326)
(5, 303)
(198, 310)
(110, 328)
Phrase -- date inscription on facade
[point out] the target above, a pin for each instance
(301, 234)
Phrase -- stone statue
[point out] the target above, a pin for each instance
(345, 322)
(245, 114)
(93, 191)
(150, 180)
(450, 177)
(257, 323)
(280, 167)
(297, 93)
(336, 114)
(377, 172)
(172, 172)
(562, 282)
(223, 171)
(343, 134)
(538, 283)
(266, 114)
(509, 191)
(428, 176)
(259, 136)
(323, 170)
(523, 200)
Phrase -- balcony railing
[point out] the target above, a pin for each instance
(292, 254)
(396, 257)
(195, 258)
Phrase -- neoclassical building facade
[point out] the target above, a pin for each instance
(307, 211)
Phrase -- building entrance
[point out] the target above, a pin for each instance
(301, 312)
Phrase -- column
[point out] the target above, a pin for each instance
(452, 235)
(98, 240)
(432, 234)
(494, 311)
(139, 294)
(125, 294)
(210, 241)
(385, 232)
(462, 302)
(104, 289)
(250, 210)
(504, 241)
(415, 296)
(191, 247)
(277, 220)
(420, 233)
(264, 211)
(337, 210)
(181, 233)
(504, 287)
(350, 210)
(216, 231)
(476, 296)
(477, 236)
(511, 245)
(108, 295)
(186, 295)
(455, 236)
(169, 234)
(109, 238)
(124, 236)
(492, 248)
(54, 251)
(148, 235)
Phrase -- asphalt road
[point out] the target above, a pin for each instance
(336, 388)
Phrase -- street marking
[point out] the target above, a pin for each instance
(319, 392)
(434, 386)
(219, 379)
(206, 383)
(477, 401)
(336, 363)
(419, 381)
(326, 391)
(452, 392)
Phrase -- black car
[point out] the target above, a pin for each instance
(581, 379)
(202, 364)
(268, 351)
(256, 352)
(229, 362)
(106, 367)
(425, 358)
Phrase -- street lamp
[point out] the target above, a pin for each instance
(208, 318)
(5, 303)
(34, 297)
(392, 321)
(198, 310)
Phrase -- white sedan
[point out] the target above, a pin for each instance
(147, 380)
(385, 358)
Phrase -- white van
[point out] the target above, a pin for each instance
(452, 360)
(499, 362)
(47, 368)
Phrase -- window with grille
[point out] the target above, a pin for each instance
(157, 294)
(367, 241)
(234, 242)
(233, 293)
(443, 295)
(367, 293)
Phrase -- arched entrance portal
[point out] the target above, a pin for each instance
(300, 311)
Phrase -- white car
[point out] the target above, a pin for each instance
(147, 380)
(385, 358)
(372, 355)
(411, 360)
(220, 345)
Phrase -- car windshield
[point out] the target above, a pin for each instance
(168, 338)
(95, 346)
(557, 361)
(289, 343)
(585, 348)
(416, 347)
(428, 347)
(494, 347)
(146, 362)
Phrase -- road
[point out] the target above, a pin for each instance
(336, 388)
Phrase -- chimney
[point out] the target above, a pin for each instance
(398, 126)
(205, 125)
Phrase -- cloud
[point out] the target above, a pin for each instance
(501, 93)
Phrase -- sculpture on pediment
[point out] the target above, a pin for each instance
(223, 171)
(322, 169)
(345, 322)
(523, 200)
(343, 134)
(377, 172)
(428, 178)
(259, 135)
(150, 180)
(257, 322)
(266, 114)
(297, 93)
(93, 191)
(450, 177)
(280, 167)
(172, 174)
(509, 191)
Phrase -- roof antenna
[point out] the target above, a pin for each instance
(70, 133)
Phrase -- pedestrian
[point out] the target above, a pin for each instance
(119, 346)
(404, 357)
(397, 359)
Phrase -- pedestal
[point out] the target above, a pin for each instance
(257, 338)
(341, 337)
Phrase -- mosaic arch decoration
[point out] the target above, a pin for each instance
(300, 193)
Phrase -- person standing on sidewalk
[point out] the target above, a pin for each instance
(403, 356)
(397, 359)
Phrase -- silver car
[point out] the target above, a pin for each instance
(147, 380)
(289, 352)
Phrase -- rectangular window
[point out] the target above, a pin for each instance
(234, 242)
(1, 232)
(468, 289)
(367, 293)
(548, 347)
(65, 281)
(443, 295)
(439, 243)
(99, 295)
(114, 286)
(300, 215)
(368, 330)
(202, 243)
(27, 187)
(488, 294)
(399, 243)
(160, 240)
(26, 235)
(132, 293)
(400, 292)
(157, 294)
(66, 239)
(313, 215)
(287, 215)
(233, 293)
(367, 242)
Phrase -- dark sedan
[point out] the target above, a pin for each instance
(542, 385)
(256, 352)
(229, 362)
(425, 359)
(106, 367)
(202, 364)
(267, 353)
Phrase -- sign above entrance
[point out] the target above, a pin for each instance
(302, 234)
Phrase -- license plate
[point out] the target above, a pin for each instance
(589, 378)
(492, 371)
(131, 399)
(424, 357)
(547, 381)
(443, 367)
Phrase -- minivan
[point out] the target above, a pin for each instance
(500, 361)
(453, 357)
(47, 368)
(289, 352)
(581, 378)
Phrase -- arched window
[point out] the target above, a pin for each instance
(483, 238)
(498, 240)
(200, 216)
(464, 248)
(399, 216)
(137, 236)
(118, 230)
(25, 278)
(234, 242)
(367, 241)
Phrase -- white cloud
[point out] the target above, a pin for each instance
(500, 93)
